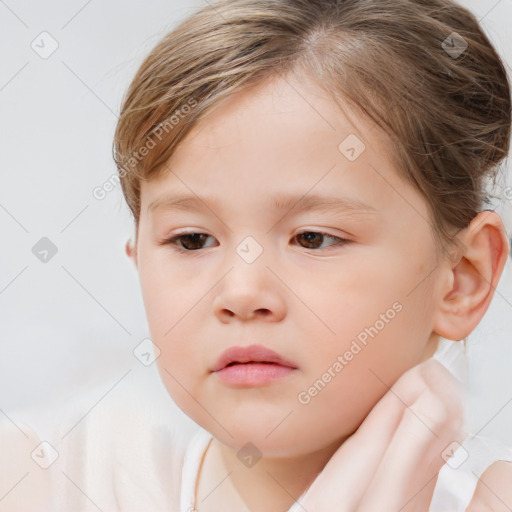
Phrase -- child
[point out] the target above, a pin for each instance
(260, 127)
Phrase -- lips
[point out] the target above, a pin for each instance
(250, 354)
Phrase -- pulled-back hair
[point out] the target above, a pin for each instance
(403, 63)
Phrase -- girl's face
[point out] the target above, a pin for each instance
(270, 270)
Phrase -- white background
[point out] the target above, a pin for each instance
(73, 322)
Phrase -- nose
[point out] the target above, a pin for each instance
(249, 292)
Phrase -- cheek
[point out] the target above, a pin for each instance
(376, 322)
(166, 292)
(350, 377)
(172, 308)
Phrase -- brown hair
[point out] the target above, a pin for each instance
(404, 63)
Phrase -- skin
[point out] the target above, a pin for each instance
(24, 485)
(494, 492)
(308, 303)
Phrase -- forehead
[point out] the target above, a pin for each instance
(267, 108)
(282, 136)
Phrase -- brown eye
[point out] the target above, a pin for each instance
(194, 242)
(313, 239)
(189, 242)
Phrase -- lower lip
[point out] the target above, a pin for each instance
(253, 374)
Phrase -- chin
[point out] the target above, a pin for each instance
(281, 443)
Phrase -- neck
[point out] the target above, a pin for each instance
(271, 483)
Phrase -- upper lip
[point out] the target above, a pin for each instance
(255, 353)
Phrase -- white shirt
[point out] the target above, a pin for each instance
(454, 489)
(133, 450)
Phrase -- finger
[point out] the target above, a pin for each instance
(408, 472)
(352, 467)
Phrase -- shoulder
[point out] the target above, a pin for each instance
(126, 439)
(24, 483)
(493, 492)
(476, 476)
(17, 441)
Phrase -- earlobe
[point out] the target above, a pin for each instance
(131, 251)
(473, 278)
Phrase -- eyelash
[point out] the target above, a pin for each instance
(172, 241)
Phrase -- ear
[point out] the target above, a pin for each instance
(131, 251)
(471, 278)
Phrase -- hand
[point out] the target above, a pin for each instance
(494, 490)
(391, 463)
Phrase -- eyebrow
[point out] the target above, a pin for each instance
(279, 202)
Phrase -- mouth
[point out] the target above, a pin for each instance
(253, 373)
(250, 355)
(248, 362)
(251, 366)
